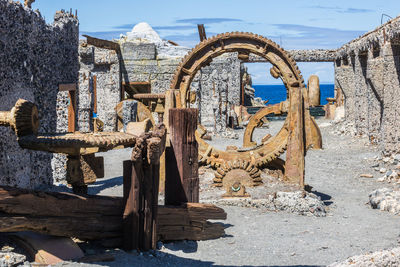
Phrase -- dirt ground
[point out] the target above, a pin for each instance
(256, 237)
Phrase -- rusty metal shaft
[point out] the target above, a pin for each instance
(6, 118)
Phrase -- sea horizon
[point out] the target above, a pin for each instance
(276, 93)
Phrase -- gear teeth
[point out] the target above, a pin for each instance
(245, 165)
(261, 41)
(235, 164)
(217, 181)
(257, 174)
(256, 180)
(230, 165)
(253, 172)
(218, 175)
(220, 171)
(224, 167)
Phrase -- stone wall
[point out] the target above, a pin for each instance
(100, 71)
(367, 70)
(305, 55)
(35, 58)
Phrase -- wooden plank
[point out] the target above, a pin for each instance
(62, 87)
(155, 188)
(147, 208)
(182, 179)
(132, 88)
(71, 111)
(102, 43)
(92, 168)
(99, 218)
(95, 94)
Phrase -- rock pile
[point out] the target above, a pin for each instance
(384, 258)
(385, 199)
(298, 202)
(344, 128)
(11, 259)
(389, 166)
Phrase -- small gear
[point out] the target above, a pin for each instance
(238, 171)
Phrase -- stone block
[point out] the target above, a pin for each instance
(129, 112)
(105, 56)
(134, 51)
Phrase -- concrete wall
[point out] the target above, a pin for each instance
(34, 59)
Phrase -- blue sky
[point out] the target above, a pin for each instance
(295, 24)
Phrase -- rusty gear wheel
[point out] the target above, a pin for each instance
(237, 171)
(242, 43)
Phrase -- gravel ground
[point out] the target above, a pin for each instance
(255, 237)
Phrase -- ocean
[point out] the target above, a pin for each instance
(277, 93)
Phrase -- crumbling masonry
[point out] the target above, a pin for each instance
(37, 58)
(34, 59)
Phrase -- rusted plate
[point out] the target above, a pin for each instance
(67, 87)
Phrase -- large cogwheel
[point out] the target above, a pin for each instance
(244, 43)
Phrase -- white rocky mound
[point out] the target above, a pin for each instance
(144, 33)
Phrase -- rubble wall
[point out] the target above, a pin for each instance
(344, 79)
(371, 84)
(375, 95)
(304, 55)
(35, 58)
(360, 94)
(391, 109)
(100, 72)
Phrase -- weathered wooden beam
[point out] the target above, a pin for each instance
(202, 32)
(62, 87)
(99, 218)
(141, 182)
(133, 177)
(102, 43)
(182, 178)
(72, 111)
(95, 94)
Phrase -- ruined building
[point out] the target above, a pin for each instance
(142, 63)
(35, 59)
(72, 82)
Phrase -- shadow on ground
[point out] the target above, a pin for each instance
(102, 184)
(160, 258)
(324, 197)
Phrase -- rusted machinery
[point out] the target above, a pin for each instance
(234, 168)
(79, 147)
(298, 133)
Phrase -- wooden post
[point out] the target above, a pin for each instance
(133, 176)
(71, 111)
(141, 182)
(95, 94)
(294, 167)
(182, 179)
(170, 102)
